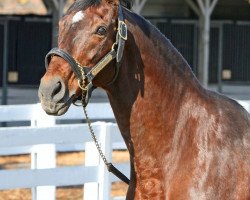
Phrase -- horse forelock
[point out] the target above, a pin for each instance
(82, 5)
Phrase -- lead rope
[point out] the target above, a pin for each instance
(111, 168)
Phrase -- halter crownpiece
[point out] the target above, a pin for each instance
(83, 72)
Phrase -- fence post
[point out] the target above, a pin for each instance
(41, 119)
(91, 159)
(100, 190)
(43, 156)
(104, 176)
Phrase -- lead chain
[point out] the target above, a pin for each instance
(95, 139)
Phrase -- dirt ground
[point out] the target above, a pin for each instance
(63, 159)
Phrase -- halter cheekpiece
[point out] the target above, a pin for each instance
(89, 73)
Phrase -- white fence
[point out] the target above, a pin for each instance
(44, 137)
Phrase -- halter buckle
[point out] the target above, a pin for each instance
(123, 30)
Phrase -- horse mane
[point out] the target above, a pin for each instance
(84, 4)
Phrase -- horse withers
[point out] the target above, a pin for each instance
(185, 142)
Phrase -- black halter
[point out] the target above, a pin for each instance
(84, 72)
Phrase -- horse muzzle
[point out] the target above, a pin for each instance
(54, 96)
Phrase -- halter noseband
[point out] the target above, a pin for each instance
(83, 72)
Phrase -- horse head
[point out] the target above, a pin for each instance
(88, 33)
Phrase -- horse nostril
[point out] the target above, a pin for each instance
(59, 91)
(57, 88)
(52, 90)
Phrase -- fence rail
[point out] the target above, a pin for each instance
(45, 136)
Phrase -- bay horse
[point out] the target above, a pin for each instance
(185, 142)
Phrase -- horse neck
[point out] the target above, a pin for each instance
(151, 85)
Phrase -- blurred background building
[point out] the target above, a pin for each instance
(213, 35)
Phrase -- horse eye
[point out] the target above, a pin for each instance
(101, 31)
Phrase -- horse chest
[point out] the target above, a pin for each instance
(149, 180)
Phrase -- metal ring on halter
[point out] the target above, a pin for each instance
(80, 85)
(113, 46)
